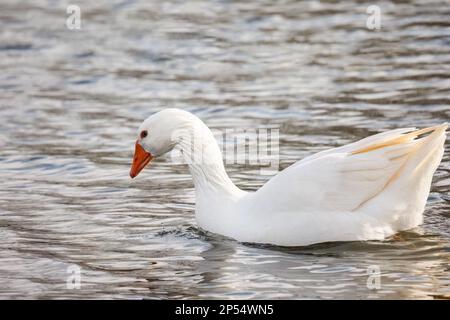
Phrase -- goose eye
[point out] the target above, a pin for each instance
(144, 134)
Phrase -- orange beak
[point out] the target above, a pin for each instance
(140, 160)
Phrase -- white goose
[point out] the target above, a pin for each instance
(366, 190)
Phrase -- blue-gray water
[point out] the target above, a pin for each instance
(71, 100)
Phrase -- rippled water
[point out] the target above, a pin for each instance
(71, 100)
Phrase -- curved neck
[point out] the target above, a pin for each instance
(201, 152)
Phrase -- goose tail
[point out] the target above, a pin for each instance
(405, 198)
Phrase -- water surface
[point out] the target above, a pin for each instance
(71, 100)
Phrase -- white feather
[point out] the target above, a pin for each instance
(365, 190)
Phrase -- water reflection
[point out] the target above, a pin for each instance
(70, 102)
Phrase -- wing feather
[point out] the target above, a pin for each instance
(345, 178)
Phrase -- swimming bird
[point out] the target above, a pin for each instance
(367, 190)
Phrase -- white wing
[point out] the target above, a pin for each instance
(345, 178)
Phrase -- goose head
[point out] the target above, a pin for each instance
(157, 135)
(154, 139)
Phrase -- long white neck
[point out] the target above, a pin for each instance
(202, 154)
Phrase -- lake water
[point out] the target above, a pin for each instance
(71, 101)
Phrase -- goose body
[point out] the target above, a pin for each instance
(366, 190)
